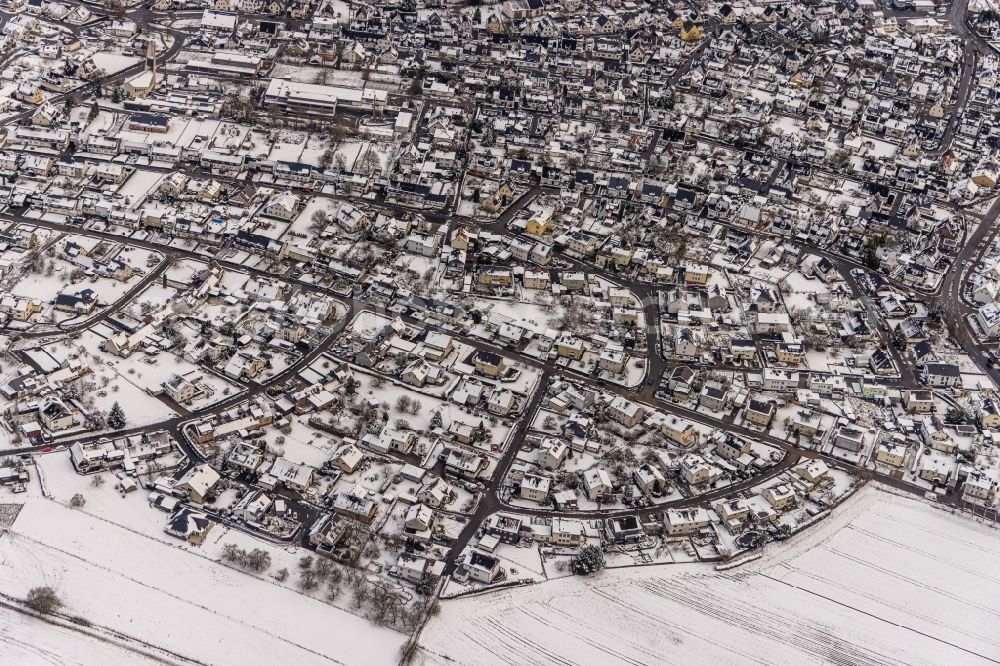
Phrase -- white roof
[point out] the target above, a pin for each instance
(323, 93)
(288, 472)
(212, 19)
(199, 479)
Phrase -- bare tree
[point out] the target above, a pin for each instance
(43, 600)
(323, 568)
(319, 220)
(230, 552)
(369, 161)
(116, 8)
(308, 580)
(258, 559)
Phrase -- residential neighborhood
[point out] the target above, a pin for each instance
(378, 308)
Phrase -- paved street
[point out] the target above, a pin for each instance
(954, 308)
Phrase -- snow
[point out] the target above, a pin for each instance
(303, 444)
(112, 63)
(529, 315)
(319, 75)
(139, 185)
(44, 360)
(304, 220)
(175, 599)
(521, 563)
(368, 324)
(884, 580)
(131, 512)
(29, 641)
(289, 147)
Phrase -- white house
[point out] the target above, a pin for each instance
(596, 484)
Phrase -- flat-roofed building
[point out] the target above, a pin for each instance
(321, 100)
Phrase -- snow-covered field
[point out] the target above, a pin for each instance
(31, 642)
(885, 580)
(141, 587)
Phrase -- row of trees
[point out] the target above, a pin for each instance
(257, 559)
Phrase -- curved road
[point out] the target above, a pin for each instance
(952, 285)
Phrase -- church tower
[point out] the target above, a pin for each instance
(151, 60)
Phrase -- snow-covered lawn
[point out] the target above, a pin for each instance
(528, 315)
(885, 580)
(113, 63)
(303, 444)
(130, 512)
(367, 325)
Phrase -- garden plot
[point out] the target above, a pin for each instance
(25, 66)
(799, 292)
(155, 296)
(884, 581)
(303, 223)
(125, 380)
(353, 152)
(390, 393)
(211, 387)
(288, 146)
(46, 361)
(139, 185)
(55, 274)
(367, 325)
(131, 511)
(533, 317)
(8, 439)
(320, 74)
(219, 313)
(184, 271)
(521, 563)
(112, 62)
(419, 266)
(314, 150)
(47, 285)
(301, 444)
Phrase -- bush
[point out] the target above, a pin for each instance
(43, 600)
